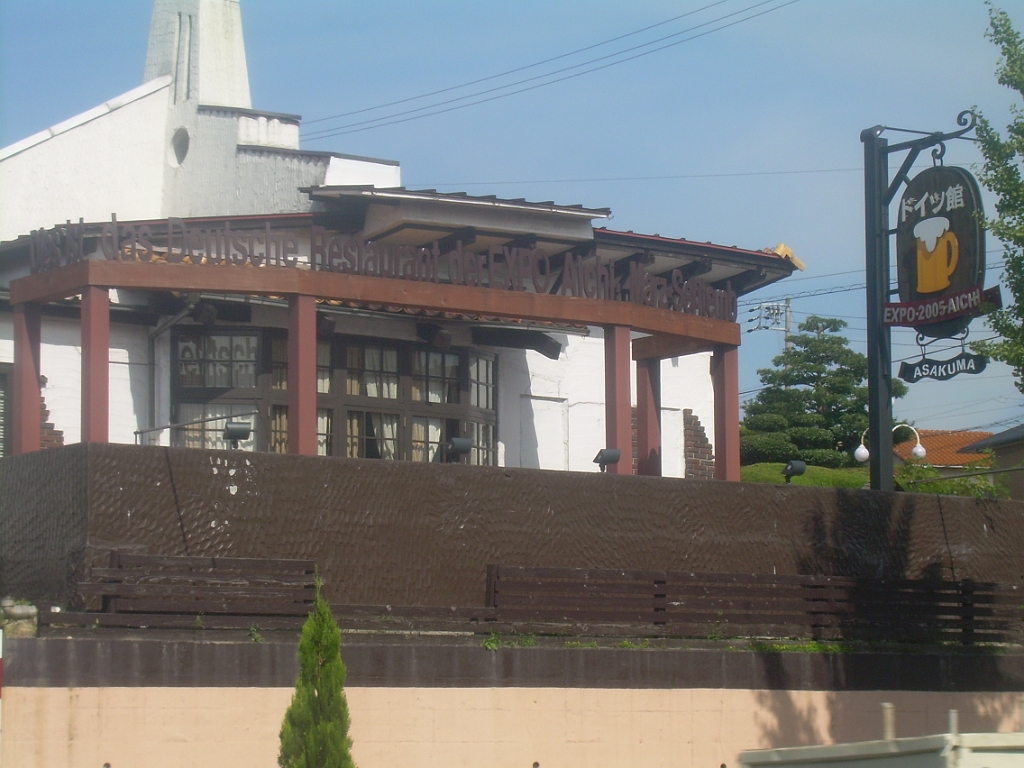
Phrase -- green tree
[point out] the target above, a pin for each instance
(315, 729)
(921, 477)
(818, 386)
(1001, 173)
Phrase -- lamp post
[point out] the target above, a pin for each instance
(862, 453)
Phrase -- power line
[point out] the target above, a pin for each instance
(517, 69)
(434, 184)
(323, 133)
(397, 118)
(789, 280)
(827, 291)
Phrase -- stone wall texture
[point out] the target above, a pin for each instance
(423, 534)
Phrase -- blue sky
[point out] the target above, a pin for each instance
(757, 125)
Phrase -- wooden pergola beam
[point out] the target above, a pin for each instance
(282, 281)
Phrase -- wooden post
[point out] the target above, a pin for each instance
(95, 365)
(26, 419)
(725, 375)
(617, 406)
(302, 375)
(648, 416)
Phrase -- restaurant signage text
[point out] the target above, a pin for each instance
(940, 253)
(942, 370)
(497, 267)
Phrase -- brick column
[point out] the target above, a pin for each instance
(25, 394)
(725, 375)
(302, 375)
(617, 406)
(648, 417)
(95, 365)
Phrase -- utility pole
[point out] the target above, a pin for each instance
(789, 324)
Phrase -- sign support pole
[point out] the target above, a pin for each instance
(876, 241)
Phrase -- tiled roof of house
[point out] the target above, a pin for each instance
(943, 447)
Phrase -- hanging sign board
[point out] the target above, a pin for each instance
(942, 370)
(940, 254)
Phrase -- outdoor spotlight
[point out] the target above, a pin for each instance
(325, 326)
(607, 456)
(235, 431)
(794, 468)
(456, 448)
(205, 313)
(434, 335)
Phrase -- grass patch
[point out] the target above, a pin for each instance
(630, 644)
(854, 477)
(812, 646)
(581, 644)
(496, 640)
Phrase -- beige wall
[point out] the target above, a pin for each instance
(456, 727)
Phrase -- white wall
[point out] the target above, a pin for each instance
(223, 73)
(551, 413)
(347, 170)
(107, 160)
(60, 352)
(686, 383)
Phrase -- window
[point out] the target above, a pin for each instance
(372, 435)
(435, 377)
(221, 361)
(375, 399)
(372, 372)
(481, 382)
(482, 437)
(278, 429)
(206, 425)
(324, 432)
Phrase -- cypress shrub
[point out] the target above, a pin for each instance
(314, 733)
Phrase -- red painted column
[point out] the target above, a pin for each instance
(725, 375)
(26, 418)
(95, 365)
(617, 407)
(302, 375)
(648, 417)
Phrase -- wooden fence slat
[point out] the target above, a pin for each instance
(878, 609)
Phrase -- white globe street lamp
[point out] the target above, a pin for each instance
(862, 453)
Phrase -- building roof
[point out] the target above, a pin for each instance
(1010, 436)
(89, 115)
(464, 198)
(945, 447)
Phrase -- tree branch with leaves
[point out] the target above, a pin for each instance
(1001, 174)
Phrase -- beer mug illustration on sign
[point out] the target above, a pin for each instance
(937, 254)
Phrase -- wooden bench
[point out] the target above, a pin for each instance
(610, 602)
(195, 592)
(158, 592)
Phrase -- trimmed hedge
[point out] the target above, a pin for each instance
(760, 447)
(766, 422)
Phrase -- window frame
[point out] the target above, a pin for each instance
(265, 397)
